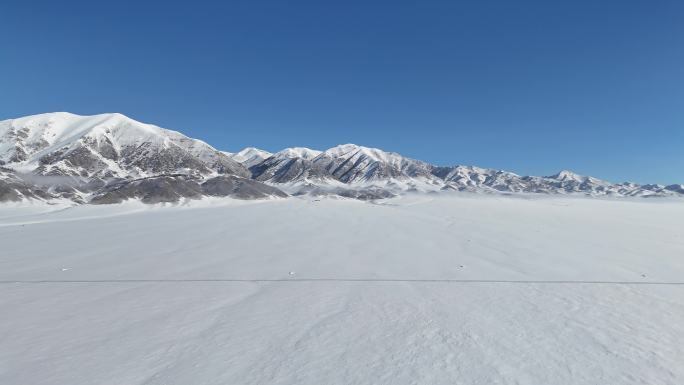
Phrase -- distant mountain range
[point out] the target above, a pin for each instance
(110, 158)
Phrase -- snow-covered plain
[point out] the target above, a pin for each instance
(415, 290)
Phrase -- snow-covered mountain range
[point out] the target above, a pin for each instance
(109, 158)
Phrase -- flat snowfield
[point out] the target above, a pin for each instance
(417, 290)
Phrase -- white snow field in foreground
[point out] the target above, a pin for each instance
(443, 290)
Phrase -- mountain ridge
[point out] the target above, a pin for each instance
(85, 158)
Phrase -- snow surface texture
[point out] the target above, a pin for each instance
(109, 158)
(414, 290)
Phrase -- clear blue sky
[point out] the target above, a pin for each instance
(528, 86)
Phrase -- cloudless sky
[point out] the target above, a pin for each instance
(527, 86)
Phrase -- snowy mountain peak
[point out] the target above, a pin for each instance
(39, 132)
(104, 146)
(249, 152)
(250, 156)
(350, 163)
(349, 150)
(566, 175)
(298, 152)
(569, 177)
(344, 148)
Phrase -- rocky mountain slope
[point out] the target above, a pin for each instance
(109, 158)
(105, 146)
(378, 173)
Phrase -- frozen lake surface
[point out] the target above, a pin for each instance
(417, 290)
